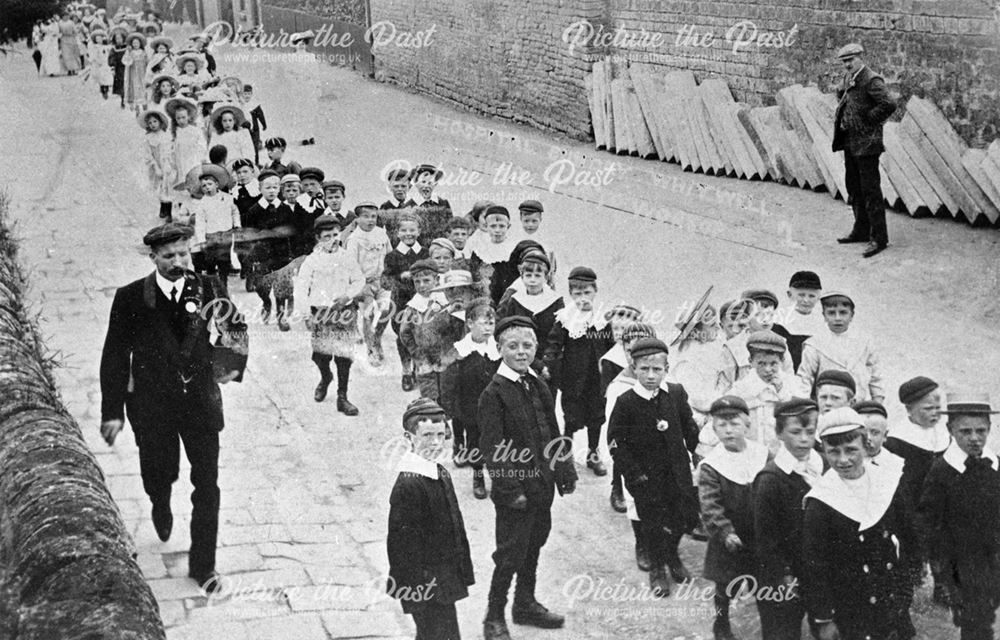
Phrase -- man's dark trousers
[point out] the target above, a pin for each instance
(864, 188)
(520, 536)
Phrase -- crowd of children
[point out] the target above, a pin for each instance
(759, 427)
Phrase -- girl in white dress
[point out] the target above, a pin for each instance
(97, 55)
(227, 130)
(158, 152)
(190, 147)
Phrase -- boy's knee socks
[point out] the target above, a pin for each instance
(343, 373)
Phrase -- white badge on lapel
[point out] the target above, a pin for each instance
(662, 425)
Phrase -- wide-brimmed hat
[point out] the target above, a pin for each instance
(158, 40)
(118, 29)
(166, 76)
(98, 32)
(150, 28)
(192, 181)
(194, 57)
(694, 318)
(214, 94)
(233, 83)
(173, 104)
(964, 403)
(132, 36)
(219, 110)
(156, 113)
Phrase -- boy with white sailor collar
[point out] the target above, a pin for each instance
(430, 568)
(398, 280)
(576, 342)
(876, 420)
(311, 197)
(777, 494)
(724, 480)
(959, 514)
(653, 435)
(857, 536)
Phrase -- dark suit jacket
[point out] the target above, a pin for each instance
(521, 453)
(143, 359)
(574, 363)
(778, 514)
(664, 457)
(429, 560)
(864, 107)
(463, 382)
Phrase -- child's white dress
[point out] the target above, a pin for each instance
(190, 149)
(158, 150)
(237, 142)
(100, 71)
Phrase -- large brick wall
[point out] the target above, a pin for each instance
(508, 57)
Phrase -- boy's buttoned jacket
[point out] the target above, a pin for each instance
(523, 452)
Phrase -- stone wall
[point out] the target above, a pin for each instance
(511, 58)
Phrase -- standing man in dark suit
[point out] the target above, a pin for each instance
(864, 107)
(527, 461)
(160, 365)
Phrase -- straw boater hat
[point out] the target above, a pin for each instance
(198, 60)
(156, 113)
(219, 110)
(213, 94)
(177, 102)
(99, 32)
(969, 404)
(132, 36)
(166, 76)
(158, 40)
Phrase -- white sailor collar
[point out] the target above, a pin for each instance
(740, 467)
(421, 302)
(487, 349)
(512, 375)
(492, 252)
(956, 458)
(264, 204)
(459, 315)
(536, 303)
(616, 355)
(410, 462)
(888, 460)
(864, 500)
(578, 322)
(645, 393)
(405, 250)
(934, 439)
(434, 199)
(788, 463)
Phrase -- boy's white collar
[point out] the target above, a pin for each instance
(866, 509)
(410, 462)
(956, 458)
(404, 249)
(645, 393)
(487, 349)
(740, 467)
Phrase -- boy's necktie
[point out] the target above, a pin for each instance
(173, 294)
(526, 382)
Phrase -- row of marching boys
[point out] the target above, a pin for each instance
(818, 514)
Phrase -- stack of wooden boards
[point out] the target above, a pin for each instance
(651, 111)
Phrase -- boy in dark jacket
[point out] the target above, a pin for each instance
(430, 568)
(397, 280)
(576, 343)
(652, 435)
(527, 464)
(777, 495)
(474, 359)
(959, 515)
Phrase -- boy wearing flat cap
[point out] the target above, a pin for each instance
(537, 301)
(919, 440)
(800, 320)
(311, 197)
(652, 435)
(834, 389)
(765, 386)
(724, 480)
(171, 392)
(430, 568)
(840, 347)
(576, 343)
(397, 278)
(777, 495)
(959, 513)
(398, 184)
(434, 211)
(527, 460)
(857, 536)
(876, 420)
